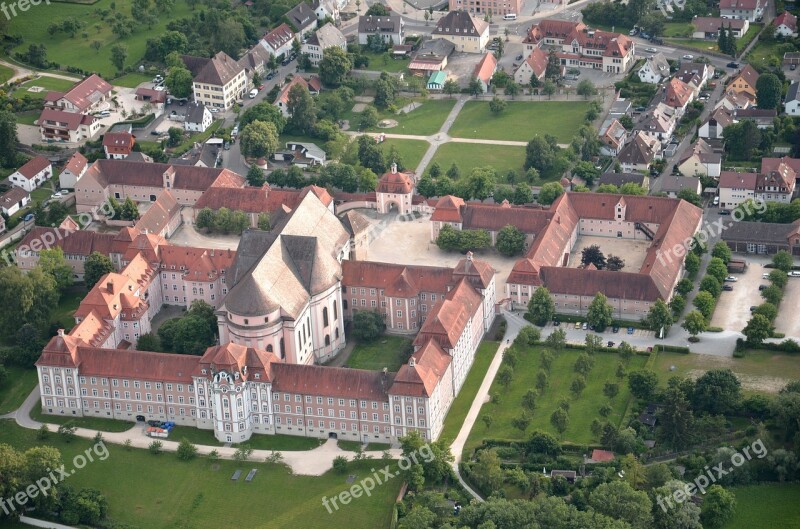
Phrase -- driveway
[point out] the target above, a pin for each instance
(733, 308)
(788, 320)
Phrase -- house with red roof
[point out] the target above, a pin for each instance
(74, 169)
(118, 145)
(485, 70)
(279, 40)
(312, 84)
(72, 127)
(395, 191)
(745, 82)
(751, 10)
(785, 25)
(84, 97)
(14, 200)
(33, 174)
(678, 95)
(535, 64)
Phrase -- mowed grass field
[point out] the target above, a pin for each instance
(460, 407)
(46, 83)
(383, 352)
(161, 492)
(521, 120)
(424, 120)
(6, 73)
(18, 385)
(502, 158)
(774, 506)
(758, 371)
(411, 151)
(583, 410)
(32, 26)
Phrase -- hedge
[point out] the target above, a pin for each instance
(671, 349)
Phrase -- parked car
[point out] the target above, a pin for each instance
(519, 57)
(731, 279)
(213, 110)
(140, 418)
(753, 308)
(765, 275)
(556, 323)
(762, 287)
(585, 326)
(269, 76)
(28, 217)
(615, 329)
(727, 287)
(792, 67)
(577, 325)
(630, 330)
(724, 212)
(732, 64)
(688, 57)
(55, 196)
(640, 109)
(794, 273)
(610, 344)
(651, 50)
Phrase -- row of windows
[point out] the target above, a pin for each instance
(287, 397)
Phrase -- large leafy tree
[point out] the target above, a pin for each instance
(619, 500)
(675, 419)
(758, 329)
(717, 391)
(643, 383)
(718, 507)
(541, 306)
(259, 139)
(96, 266)
(695, 322)
(510, 241)
(301, 109)
(8, 139)
(179, 82)
(769, 90)
(335, 66)
(600, 314)
(659, 316)
(54, 264)
(28, 298)
(593, 255)
(549, 192)
(367, 325)
(263, 112)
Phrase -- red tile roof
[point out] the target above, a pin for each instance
(159, 214)
(420, 376)
(678, 93)
(87, 92)
(70, 120)
(397, 280)
(485, 69)
(248, 199)
(749, 75)
(537, 60)
(190, 177)
(118, 142)
(76, 164)
(331, 381)
(602, 455)
(34, 166)
(278, 36)
(731, 179)
(448, 318)
(448, 209)
(81, 243)
(395, 182)
(787, 19)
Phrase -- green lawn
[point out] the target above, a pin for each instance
(258, 442)
(774, 505)
(583, 410)
(411, 151)
(92, 423)
(521, 120)
(200, 138)
(353, 446)
(67, 306)
(759, 371)
(754, 30)
(502, 158)
(161, 492)
(47, 83)
(28, 118)
(382, 62)
(32, 26)
(460, 407)
(42, 193)
(764, 53)
(678, 29)
(18, 385)
(131, 80)
(425, 120)
(383, 352)
(6, 73)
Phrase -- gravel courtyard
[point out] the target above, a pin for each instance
(632, 252)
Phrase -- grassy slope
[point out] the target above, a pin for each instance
(384, 352)
(75, 51)
(460, 407)
(582, 410)
(16, 388)
(5, 74)
(520, 120)
(766, 505)
(48, 83)
(411, 151)
(160, 492)
(468, 155)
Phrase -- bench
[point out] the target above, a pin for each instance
(251, 475)
(236, 475)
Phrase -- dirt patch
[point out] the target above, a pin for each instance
(758, 383)
(387, 123)
(364, 99)
(359, 107)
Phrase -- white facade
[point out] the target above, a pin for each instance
(30, 184)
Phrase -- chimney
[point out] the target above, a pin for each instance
(110, 287)
(394, 168)
(61, 332)
(469, 256)
(411, 362)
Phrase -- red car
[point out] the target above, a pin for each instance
(260, 87)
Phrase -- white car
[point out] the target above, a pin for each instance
(766, 276)
(651, 50)
(213, 110)
(688, 57)
(56, 195)
(731, 279)
(794, 273)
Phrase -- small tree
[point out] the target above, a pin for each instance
(578, 385)
(510, 241)
(560, 420)
(505, 376)
(722, 251)
(497, 105)
(694, 323)
(611, 389)
(186, 450)
(783, 261)
(586, 89)
(541, 307)
(367, 325)
(155, 447)
(593, 255)
(758, 329)
(243, 453)
(487, 420)
(614, 263)
(659, 316)
(529, 400)
(521, 422)
(43, 433)
(340, 464)
(67, 432)
(557, 339)
(600, 313)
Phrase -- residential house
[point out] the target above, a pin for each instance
(764, 117)
(764, 238)
(328, 36)
(84, 97)
(735, 100)
(672, 185)
(388, 28)
(73, 171)
(660, 123)
(599, 50)
(551, 32)
(302, 18)
(255, 61)
(619, 108)
(712, 127)
(33, 174)
(735, 188)
(678, 95)
(612, 136)
(792, 101)
(639, 153)
(469, 33)
(504, 7)
(745, 82)
(198, 117)
(431, 56)
(697, 72)
(620, 179)
(777, 184)
(534, 65)
(218, 82)
(654, 69)
(785, 25)
(278, 41)
(326, 9)
(118, 145)
(312, 84)
(65, 126)
(701, 161)
(750, 10)
(301, 154)
(708, 27)
(485, 70)
(436, 80)
(14, 200)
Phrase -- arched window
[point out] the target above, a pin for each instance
(335, 311)
(336, 332)
(325, 317)
(269, 348)
(327, 339)
(283, 350)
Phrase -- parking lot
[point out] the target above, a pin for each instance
(788, 320)
(578, 336)
(733, 308)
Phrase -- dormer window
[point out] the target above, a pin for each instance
(203, 371)
(258, 376)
